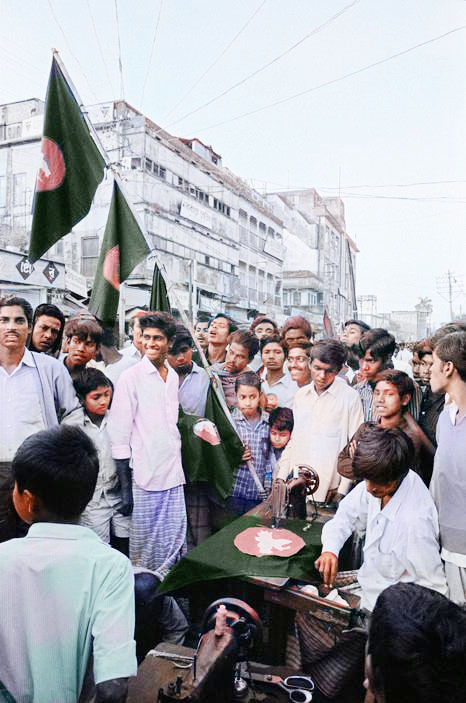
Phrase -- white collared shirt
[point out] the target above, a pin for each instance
(323, 426)
(402, 539)
(132, 350)
(20, 408)
(142, 426)
(285, 389)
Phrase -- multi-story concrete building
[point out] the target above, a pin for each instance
(222, 243)
(320, 224)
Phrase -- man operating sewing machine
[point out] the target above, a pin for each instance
(394, 508)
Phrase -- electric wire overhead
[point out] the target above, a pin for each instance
(215, 62)
(151, 53)
(72, 54)
(334, 80)
(99, 46)
(269, 63)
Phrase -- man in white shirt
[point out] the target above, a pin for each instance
(394, 508)
(144, 436)
(327, 412)
(448, 484)
(35, 391)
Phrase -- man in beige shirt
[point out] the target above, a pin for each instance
(327, 412)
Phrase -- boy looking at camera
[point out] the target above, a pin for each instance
(107, 513)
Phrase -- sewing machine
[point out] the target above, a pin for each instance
(288, 498)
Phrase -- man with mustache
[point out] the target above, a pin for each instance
(36, 391)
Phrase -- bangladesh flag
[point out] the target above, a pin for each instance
(123, 248)
(72, 168)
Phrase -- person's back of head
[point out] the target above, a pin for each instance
(58, 469)
(417, 647)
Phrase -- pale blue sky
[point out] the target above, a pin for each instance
(402, 122)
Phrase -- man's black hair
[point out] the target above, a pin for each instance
(203, 317)
(247, 340)
(83, 328)
(417, 644)
(363, 325)
(10, 300)
(162, 321)
(379, 342)
(182, 337)
(382, 455)
(330, 351)
(50, 311)
(274, 339)
(452, 348)
(248, 378)
(281, 419)
(59, 466)
(88, 379)
(232, 326)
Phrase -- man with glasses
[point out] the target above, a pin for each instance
(326, 413)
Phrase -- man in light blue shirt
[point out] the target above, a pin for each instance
(194, 381)
(64, 594)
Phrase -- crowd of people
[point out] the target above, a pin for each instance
(95, 506)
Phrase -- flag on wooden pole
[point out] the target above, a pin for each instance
(123, 248)
(72, 167)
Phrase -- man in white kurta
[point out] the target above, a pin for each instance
(327, 413)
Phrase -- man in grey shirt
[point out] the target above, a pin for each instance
(448, 484)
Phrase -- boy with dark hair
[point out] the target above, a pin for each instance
(146, 445)
(296, 330)
(376, 350)
(261, 327)
(194, 381)
(281, 425)
(83, 336)
(352, 332)
(47, 329)
(299, 363)
(242, 347)
(277, 383)
(220, 329)
(253, 428)
(327, 413)
(392, 393)
(107, 511)
(416, 650)
(79, 591)
(448, 484)
(394, 507)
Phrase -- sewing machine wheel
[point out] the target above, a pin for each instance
(311, 477)
(236, 610)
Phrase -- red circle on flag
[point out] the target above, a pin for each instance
(111, 267)
(52, 173)
(264, 541)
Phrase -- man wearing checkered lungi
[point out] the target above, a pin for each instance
(146, 446)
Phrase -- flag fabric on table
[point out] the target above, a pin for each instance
(159, 297)
(71, 170)
(123, 248)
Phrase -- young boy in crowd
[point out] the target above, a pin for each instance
(392, 394)
(253, 428)
(63, 592)
(107, 511)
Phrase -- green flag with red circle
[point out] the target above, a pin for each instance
(123, 248)
(71, 169)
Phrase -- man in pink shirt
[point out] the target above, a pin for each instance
(146, 446)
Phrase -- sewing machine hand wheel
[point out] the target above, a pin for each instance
(243, 619)
(311, 477)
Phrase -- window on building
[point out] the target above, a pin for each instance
(252, 224)
(278, 293)
(135, 163)
(2, 191)
(296, 297)
(285, 297)
(148, 165)
(89, 255)
(19, 189)
(159, 171)
(262, 230)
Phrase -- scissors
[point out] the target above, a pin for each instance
(299, 688)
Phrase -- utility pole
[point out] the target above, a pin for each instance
(450, 286)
